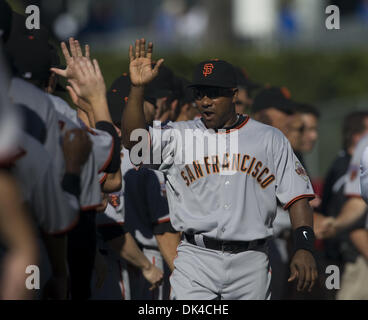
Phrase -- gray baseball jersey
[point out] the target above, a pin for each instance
(352, 185)
(102, 141)
(90, 196)
(364, 176)
(228, 194)
(41, 188)
(10, 123)
(25, 93)
(63, 107)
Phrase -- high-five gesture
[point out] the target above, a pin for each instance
(140, 67)
(71, 58)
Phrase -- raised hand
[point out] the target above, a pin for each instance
(71, 57)
(87, 84)
(140, 67)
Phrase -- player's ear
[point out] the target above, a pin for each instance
(235, 95)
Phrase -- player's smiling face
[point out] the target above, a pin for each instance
(216, 106)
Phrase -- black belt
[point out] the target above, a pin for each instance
(226, 246)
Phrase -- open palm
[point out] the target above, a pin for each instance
(140, 67)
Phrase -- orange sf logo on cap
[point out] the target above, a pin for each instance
(207, 69)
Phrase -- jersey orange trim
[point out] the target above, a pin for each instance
(67, 229)
(241, 125)
(353, 195)
(312, 196)
(103, 179)
(10, 161)
(163, 220)
(107, 162)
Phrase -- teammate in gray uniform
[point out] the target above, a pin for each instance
(226, 217)
(355, 189)
(146, 208)
(33, 98)
(16, 229)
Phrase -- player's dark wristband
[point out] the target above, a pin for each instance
(114, 164)
(71, 184)
(304, 238)
(162, 228)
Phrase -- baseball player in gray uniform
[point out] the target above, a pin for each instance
(356, 191)
(145, 202)
(223, 200)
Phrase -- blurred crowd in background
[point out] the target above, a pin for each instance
(283, 52)
(279, 42)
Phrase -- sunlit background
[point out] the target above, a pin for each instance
(279, 42)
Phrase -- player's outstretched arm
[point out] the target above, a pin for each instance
(352, 210)
(87, 87)
(303, 265)
(141, 73)
(127, 248)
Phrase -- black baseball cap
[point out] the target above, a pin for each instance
(273, 97)
(6, 18)
(117, 97)
(32, 58)
(161, 86)
(214, 73)
(243, 80)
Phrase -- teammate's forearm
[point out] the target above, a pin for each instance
(100, 109)
(168, 243)
(133, 115)
(352, 210)
(126, 247)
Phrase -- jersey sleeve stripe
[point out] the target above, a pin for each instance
(103, 178)
(105, 165)
(67, 229)
(353, 195)
(163, 220)
(311, 196)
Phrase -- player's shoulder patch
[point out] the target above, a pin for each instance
(299, 169)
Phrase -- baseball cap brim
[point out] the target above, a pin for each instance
(213, 84)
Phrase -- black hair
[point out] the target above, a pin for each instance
(306, 109)
(353, 124)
